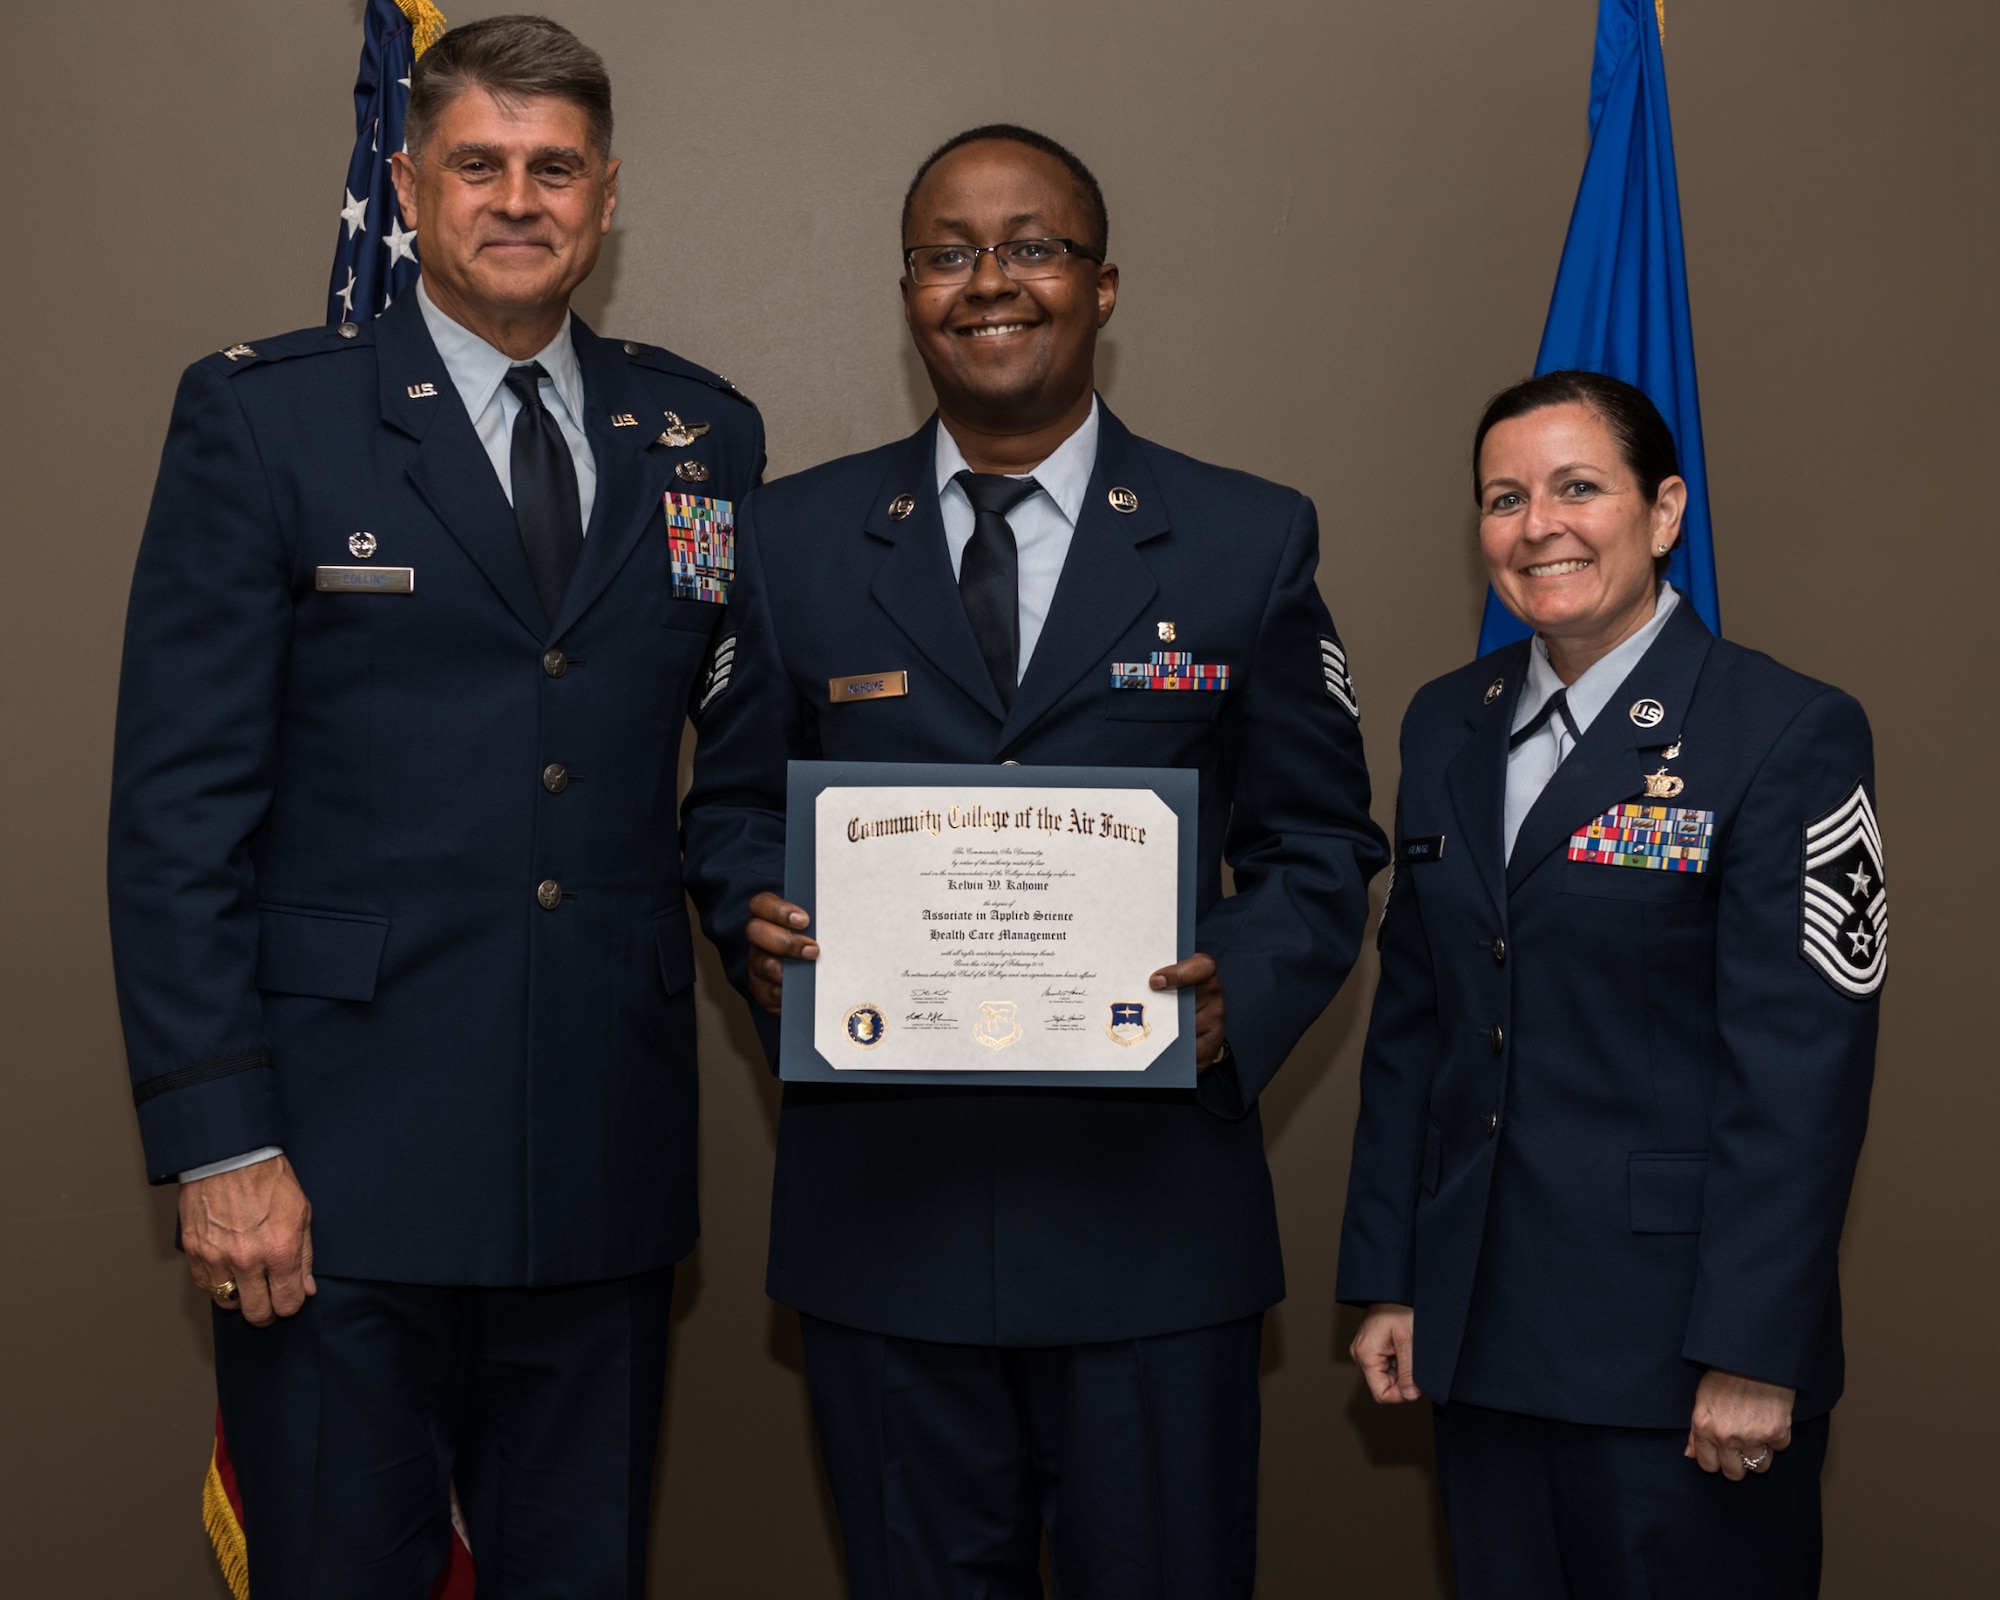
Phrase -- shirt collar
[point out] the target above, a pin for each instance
(1600, 681)
(476, 368)
(1064, 476)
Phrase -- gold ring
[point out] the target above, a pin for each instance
(225, 1292)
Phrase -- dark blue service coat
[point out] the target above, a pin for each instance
(1611, 1113)
(332, 811)
(1026, 1216)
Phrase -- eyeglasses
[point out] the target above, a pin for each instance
(930, 265)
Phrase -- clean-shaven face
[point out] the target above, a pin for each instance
(510, 202)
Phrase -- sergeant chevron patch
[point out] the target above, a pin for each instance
(1339, 683)
(721, 666)
(1843, 901)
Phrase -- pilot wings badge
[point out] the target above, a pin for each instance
(1843, 902)
(1128, 1023)
(999, 1024)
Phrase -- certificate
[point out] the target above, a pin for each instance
(990, 924)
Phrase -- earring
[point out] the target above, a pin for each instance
(1659, 549)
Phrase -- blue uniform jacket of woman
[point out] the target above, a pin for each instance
(1615, 1086)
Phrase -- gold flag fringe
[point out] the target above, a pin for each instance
(232, 1555)
(426, 23)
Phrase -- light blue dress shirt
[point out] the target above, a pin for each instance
(1533, 762)
(476, 370)
(1043, 523)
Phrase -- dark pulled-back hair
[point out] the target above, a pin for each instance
(513, 58)
(1085, 180)
(1645, 442)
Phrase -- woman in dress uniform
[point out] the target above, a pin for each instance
(1618, 1067)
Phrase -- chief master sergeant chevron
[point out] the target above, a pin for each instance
(395, 889)
(1027, 1308)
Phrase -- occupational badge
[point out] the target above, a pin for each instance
(999, 1024)
(1169, 669)
(865, 1026)
(690, 471)
(1843, 902)
(681, 434)
(1663, 785)
(361, 545)
(1339, 682)
(1657, 838)
(701, 547)
(1167, 632)
(1128, 1024)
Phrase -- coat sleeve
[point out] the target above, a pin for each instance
(1300, 841)
(207, 637)
(1797, 1063)
(1402, 1053)
(733, 821)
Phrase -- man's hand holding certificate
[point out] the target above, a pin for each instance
(994, 923)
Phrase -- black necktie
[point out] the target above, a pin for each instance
(1557, 705)
(988, 574)
(545, 494)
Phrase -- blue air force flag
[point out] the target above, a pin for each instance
(1621, 303)
(376, 256)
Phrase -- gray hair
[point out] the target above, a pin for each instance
(512, 58)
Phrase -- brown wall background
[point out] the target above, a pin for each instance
(1339, 221)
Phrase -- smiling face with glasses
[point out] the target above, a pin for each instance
(1004, 292)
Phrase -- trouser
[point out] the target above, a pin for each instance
(948, 1462)
(1545, 1510)
(349, 1424)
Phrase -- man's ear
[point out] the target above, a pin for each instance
(610, 193)
(403, 173)
(1107, 292)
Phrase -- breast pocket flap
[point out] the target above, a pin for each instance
(676, 941)
(334, 955)
(1666, 1192)
(1164, 705)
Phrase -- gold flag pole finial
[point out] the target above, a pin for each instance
(427, 22)
(1660, 11)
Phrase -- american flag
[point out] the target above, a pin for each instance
(376, 256)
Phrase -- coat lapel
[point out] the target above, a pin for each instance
(1477, 775)
(633, 471)
(450, 468)
(1609, 765)
(1105, 582)
(914, 583)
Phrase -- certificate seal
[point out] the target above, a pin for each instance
(866, 1026)
(1128, 1023)
(999, 1024)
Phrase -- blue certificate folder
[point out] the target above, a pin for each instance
(800, 1061)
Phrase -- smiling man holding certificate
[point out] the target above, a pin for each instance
(1025, 682)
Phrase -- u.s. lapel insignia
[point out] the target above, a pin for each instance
(361, 545)
(901, 507)
(691, 471)
(421, 391)
(1123, 500)
(681, 434)
(1647, 713)
(623, 419)
(1844, 903)
(1493, 691)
